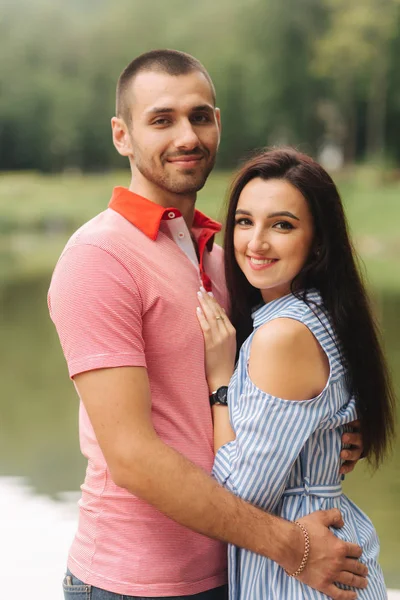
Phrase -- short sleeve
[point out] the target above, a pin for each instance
(269, 437)
(96, 307)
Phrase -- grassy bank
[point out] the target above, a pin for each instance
(39, 212)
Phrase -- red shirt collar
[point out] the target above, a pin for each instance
(147, 215)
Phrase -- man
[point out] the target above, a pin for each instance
(123, 299)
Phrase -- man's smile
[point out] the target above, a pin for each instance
(186, 160)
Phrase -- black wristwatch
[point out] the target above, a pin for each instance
(220, 396)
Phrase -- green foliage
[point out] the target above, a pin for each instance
(277, 65)
(354, 56)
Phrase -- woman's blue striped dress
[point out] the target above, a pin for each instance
(285, 459)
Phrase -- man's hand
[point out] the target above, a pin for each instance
(331, 560)
(353, 450)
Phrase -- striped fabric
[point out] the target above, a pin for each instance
(285, 459)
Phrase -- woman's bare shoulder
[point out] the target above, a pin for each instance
(287, 361)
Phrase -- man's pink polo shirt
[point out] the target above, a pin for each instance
(123, 293)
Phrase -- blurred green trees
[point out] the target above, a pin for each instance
(306, 72)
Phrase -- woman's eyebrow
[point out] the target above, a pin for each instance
(283, 213)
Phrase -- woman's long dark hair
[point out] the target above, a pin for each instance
(331, 268)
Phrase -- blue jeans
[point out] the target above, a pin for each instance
(75, 589)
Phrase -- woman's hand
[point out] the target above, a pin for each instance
(220, 341)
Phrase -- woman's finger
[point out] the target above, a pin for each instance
(213, 316)
(217, 317)
(214, 304)
(211, 302)
(228, 327)
(210, 325)
(220, 312)
(204, 324)
(227, 321)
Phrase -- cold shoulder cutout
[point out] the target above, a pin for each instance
(287, 361)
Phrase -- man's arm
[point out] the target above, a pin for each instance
(118, 403)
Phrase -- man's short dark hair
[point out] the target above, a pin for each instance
(171, 62)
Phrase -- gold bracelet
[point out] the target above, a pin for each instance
(306, 551)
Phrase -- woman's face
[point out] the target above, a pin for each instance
(273, 235)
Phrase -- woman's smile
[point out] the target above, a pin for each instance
(259, 263)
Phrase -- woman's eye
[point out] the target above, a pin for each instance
(243, 221)
(285, 225)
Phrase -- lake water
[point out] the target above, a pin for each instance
(41, 468)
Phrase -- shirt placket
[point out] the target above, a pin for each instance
(181, 235)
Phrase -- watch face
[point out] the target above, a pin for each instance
(222, 395)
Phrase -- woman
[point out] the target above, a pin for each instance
(310, 363)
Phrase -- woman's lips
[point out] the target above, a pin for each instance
(258, 264)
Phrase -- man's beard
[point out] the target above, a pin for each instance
(187, 182)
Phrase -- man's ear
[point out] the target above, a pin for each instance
(218, 117)
(121, 137)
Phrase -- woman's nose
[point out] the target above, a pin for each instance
(258, 243)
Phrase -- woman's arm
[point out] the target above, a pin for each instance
(220, 349)
(280, 410)
(223, 432)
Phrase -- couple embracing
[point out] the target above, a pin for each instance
(216, 391)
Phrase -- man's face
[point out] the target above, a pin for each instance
(174, 130)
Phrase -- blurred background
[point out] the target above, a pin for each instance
(320, 74)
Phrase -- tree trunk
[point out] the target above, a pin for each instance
(376, 111)
(350, 120)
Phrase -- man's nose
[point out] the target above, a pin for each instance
(187, 138)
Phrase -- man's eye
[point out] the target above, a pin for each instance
(161, 121)
(201, 118)
(284, 225)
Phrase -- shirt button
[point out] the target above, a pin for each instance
(171, 215)
(181, 235)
